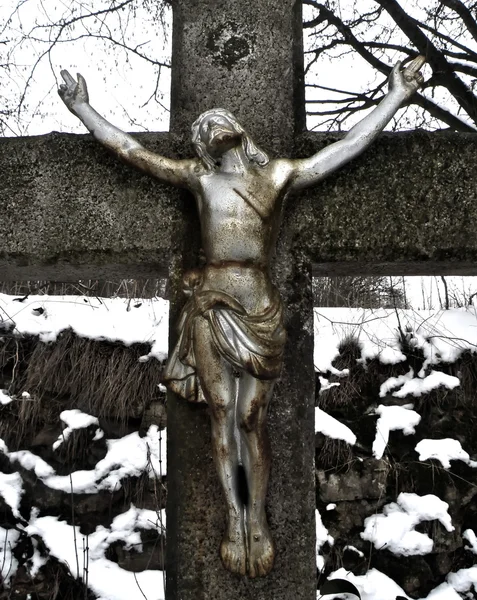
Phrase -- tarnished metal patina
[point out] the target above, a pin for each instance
(231, 331)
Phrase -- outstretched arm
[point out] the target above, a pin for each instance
(75, 96)
(402, 84)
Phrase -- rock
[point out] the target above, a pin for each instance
(366, 480)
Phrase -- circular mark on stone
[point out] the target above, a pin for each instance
(229, 44)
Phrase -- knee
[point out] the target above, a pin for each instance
(221, 409)
(253, 418)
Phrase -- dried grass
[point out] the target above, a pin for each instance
(334, 455)
(358, 390)
(101, 378)
(21, 420)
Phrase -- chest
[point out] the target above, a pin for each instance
(237, 196)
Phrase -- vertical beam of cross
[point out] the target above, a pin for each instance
(245, 56)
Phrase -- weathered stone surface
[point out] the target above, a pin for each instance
(70, 211)
(365, 483)
(407, 206)
(241, 56)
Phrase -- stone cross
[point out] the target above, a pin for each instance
(69, 211)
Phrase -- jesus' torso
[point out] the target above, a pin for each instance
(240, 214)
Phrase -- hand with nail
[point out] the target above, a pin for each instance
(408, 80)
(73, 93)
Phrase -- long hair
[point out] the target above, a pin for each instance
(251, 150)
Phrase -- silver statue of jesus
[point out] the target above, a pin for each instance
(231, 331)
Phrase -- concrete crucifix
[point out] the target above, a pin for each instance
(71, 212)
(231, 332)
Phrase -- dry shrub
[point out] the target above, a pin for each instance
(79, 452)
(465, 368)
(53, 582)
(22, 419)
(333, 455)
(360, 388)
(349, 391)
(102, 378)
(121, 288)
(15, 353)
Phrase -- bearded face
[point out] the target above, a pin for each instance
(217, 131)
(219, 135)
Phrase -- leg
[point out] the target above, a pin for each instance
(219, 387)
(253, 398)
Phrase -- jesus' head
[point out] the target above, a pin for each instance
(216, 131)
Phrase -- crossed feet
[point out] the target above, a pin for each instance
(251, 553)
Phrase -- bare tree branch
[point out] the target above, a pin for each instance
(464, 13)
(436, 59)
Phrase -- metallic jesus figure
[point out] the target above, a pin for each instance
(231, 332)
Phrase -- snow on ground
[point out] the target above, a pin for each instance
(116, 319)
(444, 451)
(394, 528)
(442, 335)
(393, 418)
(128, 456)
(75, 419)
(378, 586)
(105, 578)
(331, 427)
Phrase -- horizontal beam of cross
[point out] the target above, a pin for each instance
(70, 211)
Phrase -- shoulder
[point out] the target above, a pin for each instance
(280, 170)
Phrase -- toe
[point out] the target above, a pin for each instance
(262, 571)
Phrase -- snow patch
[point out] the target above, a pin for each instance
(76, 419)
(11, 490)
(331, 427)
(393, 418)
(394, 382)
(418, 386)
(322, 537)
(128, 456)
(5, 398)
(469, 535)
(443, 450)
(394, 528)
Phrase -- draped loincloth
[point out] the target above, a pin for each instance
(249, 342)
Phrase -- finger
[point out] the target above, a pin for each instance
(416, 64)
(396, 68)
(81, 81)
(68, 79)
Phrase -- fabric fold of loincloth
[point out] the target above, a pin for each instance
(251, 343)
